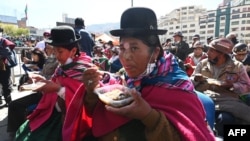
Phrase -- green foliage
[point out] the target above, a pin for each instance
(14, 31)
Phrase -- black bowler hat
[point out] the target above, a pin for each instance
(138, 21)
(62, 36)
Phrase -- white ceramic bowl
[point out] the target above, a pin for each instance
(114, 95)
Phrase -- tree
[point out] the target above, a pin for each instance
(13, 31)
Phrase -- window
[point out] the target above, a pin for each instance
(210, 20)
(177, 27)
(203, 21)
(248, 28)
(184, 18)
(222, 24)
(235, 23)
(191, 7)
(191, 31)
(248, 21)
(184, 31)
(235, 29)
(211, 15)
(184, 26)
(171, 23)
(248, 15)
(222, 18)
(210, 26)
(191, 17)
(236, 16)
(184, 13)
(222, 30)
(210, 31)
(243, 28)
(202, 32)
(192, 25)
(244, 15)
(171, 28)
(184, 8)
(245, 9)
(202, 27)
(243, 22)
(191, 12)
(190, 37)
(236, 11)
(247, 35)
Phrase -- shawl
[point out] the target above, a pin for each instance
(69, 77)
(161, 88)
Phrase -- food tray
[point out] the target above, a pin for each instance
(114, 95)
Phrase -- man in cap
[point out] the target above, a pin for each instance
(86, 41)
(224, 80)
(195, 38)
(209, 39)
(240, 53)
(195, 57)
(5, 69)
(41, 44)
(167, 45)
(180, 48)
(233, 37)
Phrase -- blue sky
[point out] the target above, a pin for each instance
(45, 13)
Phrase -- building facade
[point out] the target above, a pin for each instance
(185, 19)
(230, 16)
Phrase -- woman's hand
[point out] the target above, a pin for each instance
(26, 60)
(91, 78)
(138, 109)
(49, 87)
(36, 77)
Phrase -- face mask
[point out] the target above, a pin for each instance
(149, 69)
(69, 60)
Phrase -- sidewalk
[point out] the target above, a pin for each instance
(4, 110)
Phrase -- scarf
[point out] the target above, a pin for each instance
(74, 69)
(167, 74)
(69, 76)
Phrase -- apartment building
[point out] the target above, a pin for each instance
(185, 19)
(230, 16)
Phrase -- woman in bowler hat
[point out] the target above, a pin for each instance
(164, 107)
(60, 110)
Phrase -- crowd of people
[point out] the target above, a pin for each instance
(179, 91)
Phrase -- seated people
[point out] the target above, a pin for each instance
(20, 108)
(194, 58)
(224, 80)
(165, 106)
(115, 63)
(36, 63)
(241, 53)
(100, 59)
(60, 110)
